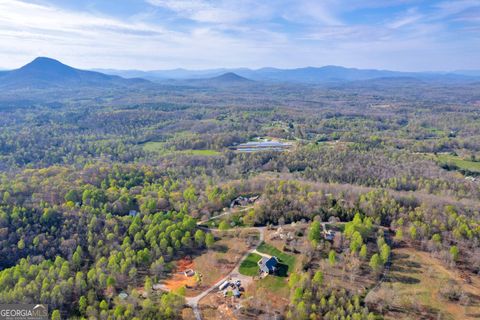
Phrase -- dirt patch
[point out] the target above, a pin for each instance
(187, 314)
(178, 279)
(216, 306)
(211, 265)
(265, 300)
(184, 264)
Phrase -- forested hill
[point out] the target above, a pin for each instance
(48, 73)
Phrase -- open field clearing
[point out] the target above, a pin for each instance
(221, 259)
(464, 164)
(179, 279)
(415, 285)
(211, 265)
(159, 147)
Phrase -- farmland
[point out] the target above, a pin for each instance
(468, 165)
(159, 147)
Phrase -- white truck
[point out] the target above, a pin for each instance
(223, 285)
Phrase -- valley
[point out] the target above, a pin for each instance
(229, 198)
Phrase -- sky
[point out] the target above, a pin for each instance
(404, 35)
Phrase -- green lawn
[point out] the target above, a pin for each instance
(284, 258)
(276, 285)
(207, 152)
(249, 266)
(459, 162)
(154, 146)
(159, 147)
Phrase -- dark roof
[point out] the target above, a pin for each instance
(267, 265)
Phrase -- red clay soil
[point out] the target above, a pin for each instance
(178, 279)
(184, 264)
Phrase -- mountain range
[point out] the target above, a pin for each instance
(44, 73)
(299, 75)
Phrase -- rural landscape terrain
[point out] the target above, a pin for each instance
(349, 196)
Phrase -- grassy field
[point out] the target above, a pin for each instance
(154, 146)
(459, 162)
(249, 266)
(159, 147)
(207, 152)
(277, 286)
(414, 285)
(283, 257)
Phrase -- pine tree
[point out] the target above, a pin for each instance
(209, 240)
(56, 315)
(363, 251)
(375, 262)
(332, 257)
(318, 278)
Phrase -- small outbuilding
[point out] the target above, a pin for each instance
(132, 213)
(189, 273)
(329, 235)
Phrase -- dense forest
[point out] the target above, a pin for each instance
(100, 196)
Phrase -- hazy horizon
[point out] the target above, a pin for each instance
(234, 68)
(401, 35)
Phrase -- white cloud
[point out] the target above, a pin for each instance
(322, 12)
(209, 11)
(410, 17)
(449, 8)
(19, 15)
(234, 11)
(90, 40)
(228, 33)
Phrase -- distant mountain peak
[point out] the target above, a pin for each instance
(44, 72)
(45, 60)
(230, 77)
(47, 65)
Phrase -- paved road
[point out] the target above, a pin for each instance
(235, 273)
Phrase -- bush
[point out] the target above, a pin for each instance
(451, 291)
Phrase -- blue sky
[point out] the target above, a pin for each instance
(409, 35)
